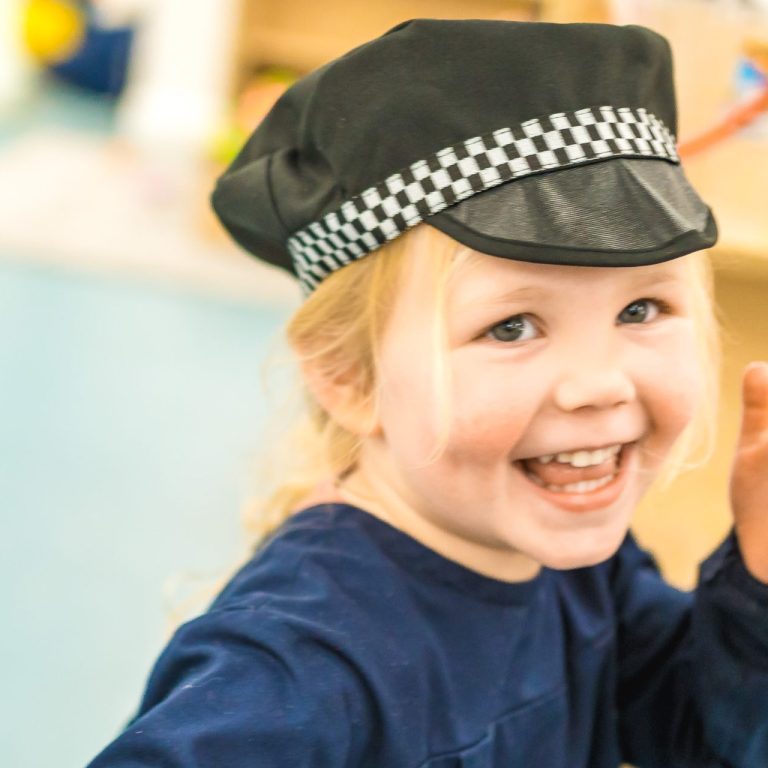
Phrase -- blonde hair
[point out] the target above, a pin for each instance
(339, 328)
(696, 444)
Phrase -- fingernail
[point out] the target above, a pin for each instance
(758, 364)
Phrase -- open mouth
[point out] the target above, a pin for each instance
(598, 478)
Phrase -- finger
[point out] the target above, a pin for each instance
(754, 420)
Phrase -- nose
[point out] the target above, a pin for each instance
(592, 383)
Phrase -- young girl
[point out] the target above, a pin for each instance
(507, 337)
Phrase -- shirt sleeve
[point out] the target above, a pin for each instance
(223, 694)
(692, 666)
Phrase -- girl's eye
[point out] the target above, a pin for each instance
(643, 310)
(516, 328)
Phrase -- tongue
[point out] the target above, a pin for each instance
(556, 473)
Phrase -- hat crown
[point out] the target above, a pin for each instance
(411, 124)
(431, 83)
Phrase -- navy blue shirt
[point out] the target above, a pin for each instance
(345, 643)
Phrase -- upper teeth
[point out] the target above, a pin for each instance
(582, 458)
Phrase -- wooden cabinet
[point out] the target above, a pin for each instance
(304, 34)
(732, 177)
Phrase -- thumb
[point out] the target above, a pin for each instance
(754, 395)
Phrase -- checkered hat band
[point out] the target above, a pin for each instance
(384, 211)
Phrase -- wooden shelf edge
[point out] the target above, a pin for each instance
(263, 43)
(733, 260)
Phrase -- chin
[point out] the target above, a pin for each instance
(570, 563)
(573, 556)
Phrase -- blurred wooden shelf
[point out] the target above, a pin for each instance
(303, 34)
(732, 177)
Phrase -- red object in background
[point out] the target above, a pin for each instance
(733, 122)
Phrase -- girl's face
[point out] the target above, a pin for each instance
(542, 359)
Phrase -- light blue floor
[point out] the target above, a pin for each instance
(129, 416)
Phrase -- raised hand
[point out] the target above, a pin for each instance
(749, 472)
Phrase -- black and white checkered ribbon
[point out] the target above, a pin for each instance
(402, 200)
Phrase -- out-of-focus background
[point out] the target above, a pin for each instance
(133, 333)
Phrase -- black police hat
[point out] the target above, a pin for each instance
(541, 142)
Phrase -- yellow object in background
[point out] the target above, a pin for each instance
(260, 95)
(255, 100)
(53, 30)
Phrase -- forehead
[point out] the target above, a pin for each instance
(479, 277)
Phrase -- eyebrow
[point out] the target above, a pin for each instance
(658, 279)
(525, 292)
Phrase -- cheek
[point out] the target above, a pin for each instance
(410, 408)
(674, 383)
(491, 410)
(479, 417)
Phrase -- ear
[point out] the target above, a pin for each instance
(341, 395)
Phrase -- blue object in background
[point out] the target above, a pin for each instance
(101, 63)
(748, 75)
(748, 81)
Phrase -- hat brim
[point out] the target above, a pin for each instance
(615, 213)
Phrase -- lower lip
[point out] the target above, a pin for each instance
(590, 500)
